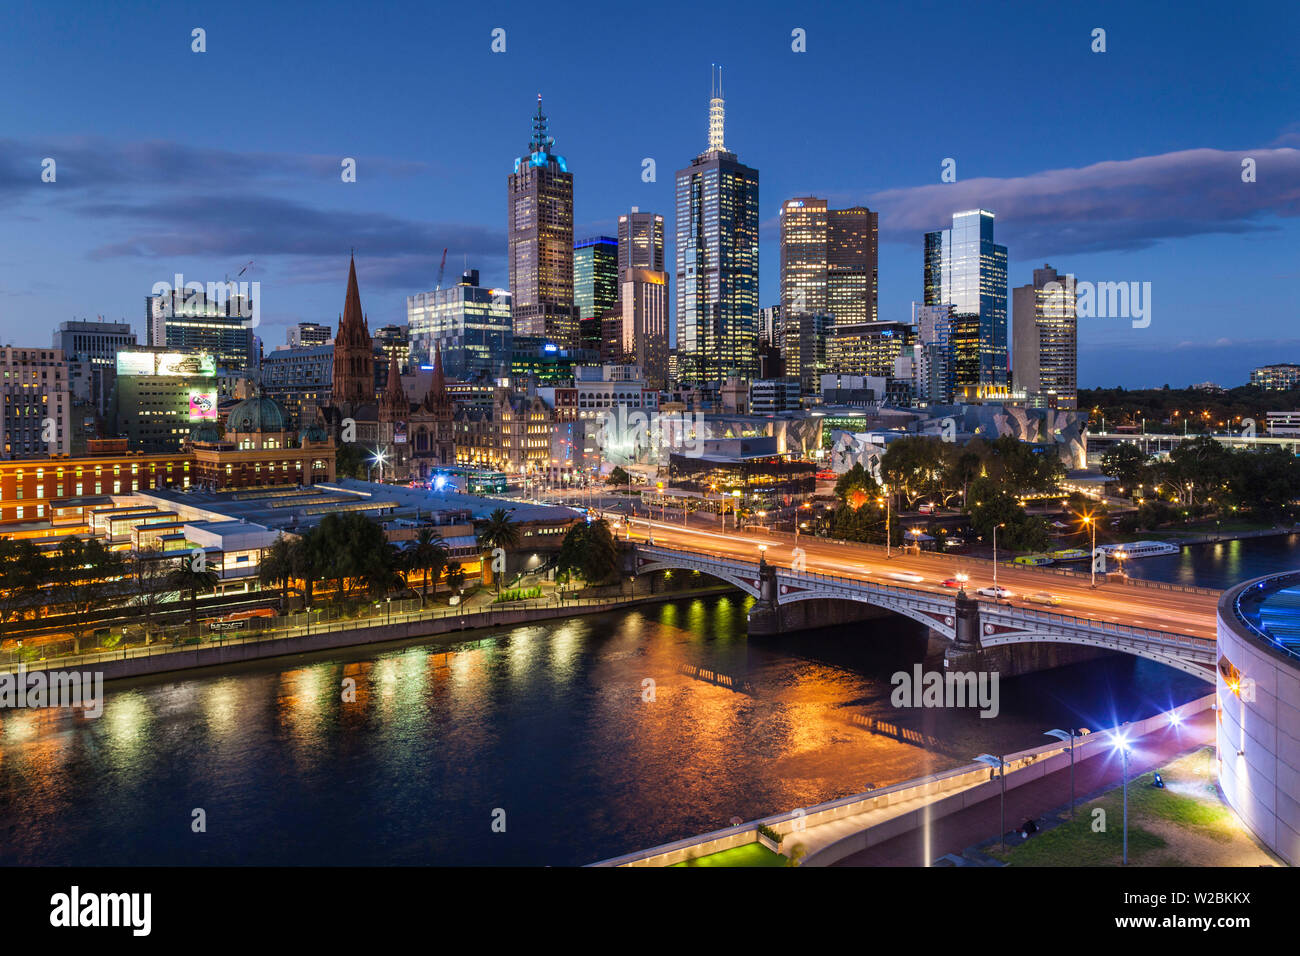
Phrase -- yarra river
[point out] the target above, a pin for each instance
(543, 727)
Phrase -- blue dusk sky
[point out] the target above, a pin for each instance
(1115, 166)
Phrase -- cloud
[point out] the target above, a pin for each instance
(1113, 205)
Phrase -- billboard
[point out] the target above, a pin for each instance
(203, 405)
(399, 433)
(135, 363)
(165, 363)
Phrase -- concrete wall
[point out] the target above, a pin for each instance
(1259, 740)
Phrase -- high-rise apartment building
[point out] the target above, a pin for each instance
(36, 419)
(307, 334)
(867, 348)
(639, 325)
(829, 259)
(194, 322)
(932, 381)
(640, 242)
(717, 262)
(595, 275)
(1044, 340)
(467, 323)
(966, 270)
(539, 233)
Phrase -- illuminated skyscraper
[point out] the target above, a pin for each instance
(1044, 352)
(640, 242)
(829, 260)
(966, 270)
(717, 262)
(540, 236)
(595, 275)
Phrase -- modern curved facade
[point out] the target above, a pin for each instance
(1259, 708)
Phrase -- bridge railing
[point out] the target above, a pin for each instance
(920, 595)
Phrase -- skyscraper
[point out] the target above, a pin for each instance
(467, 324)
(717, 262)
(1044, 352)
(640, 242)
(595, 275)
(540, 237)
(829, 259)
(639, 325)
(966, 270)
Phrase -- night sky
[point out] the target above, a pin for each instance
(1115, 166)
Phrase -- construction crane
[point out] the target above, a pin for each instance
(442, 267)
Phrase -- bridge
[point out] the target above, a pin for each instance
(972, 626)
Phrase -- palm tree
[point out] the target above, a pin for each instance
(428, 554)
(499, 532)
(193, 575)
(276, 568)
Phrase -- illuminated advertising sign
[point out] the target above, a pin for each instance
(174, 363)
(203, 405)
(135, 363)
(165, 363)
(399, 433)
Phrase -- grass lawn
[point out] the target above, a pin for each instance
(1185, 824)
(751, 854)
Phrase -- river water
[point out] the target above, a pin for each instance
(550, 730)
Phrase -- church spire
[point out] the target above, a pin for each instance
(438, 389)
(352, 317)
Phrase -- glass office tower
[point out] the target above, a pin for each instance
(469, 323)
(829, 259)
(966, 270)
(717, 263)
(595, 275)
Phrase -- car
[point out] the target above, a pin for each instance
(926, 508)
(954, 582)
(954, 543)
(998, 592)
(906, 576)
(1043, 597)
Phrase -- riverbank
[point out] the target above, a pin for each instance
(312, 638)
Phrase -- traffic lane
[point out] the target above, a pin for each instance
(1192, 613)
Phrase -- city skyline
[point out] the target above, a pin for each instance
(1148, 194)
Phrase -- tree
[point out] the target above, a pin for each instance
(276, 568)
(23, 569)
(912, 465)
(148, 569)
(1197, 467)
(618, 477)
(589, 549)
(191, 576)
(86, 573)
(992, 506)
(351, 461)
(306, 561)
(499, 532)
(1126, 463)
(455, 576)
(856, 487)
(429, 555)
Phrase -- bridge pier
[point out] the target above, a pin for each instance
(967, 653)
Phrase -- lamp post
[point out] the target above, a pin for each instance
(1087, 519)
(1121, 742)
(884, 500)
(996, 762)
(1063, 736)
(995, 558)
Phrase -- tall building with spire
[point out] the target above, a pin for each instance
(353, 382)
(717, 260)
(540, 236)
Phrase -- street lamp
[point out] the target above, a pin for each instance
(1122, 745)
(1063, 736)
(762, 553)
(1087, 520)
(995, 557)
(996, 762)
(884, 500)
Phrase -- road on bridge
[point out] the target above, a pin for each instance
(1182, 612)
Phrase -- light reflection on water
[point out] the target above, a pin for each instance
(547, 722)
